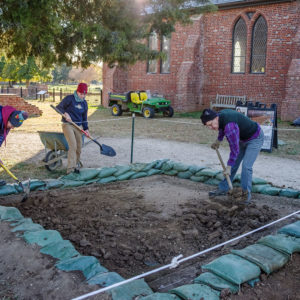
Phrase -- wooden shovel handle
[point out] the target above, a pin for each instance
(224, 169)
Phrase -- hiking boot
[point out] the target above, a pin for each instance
(2, 182)
(216, 193)
(76, 171)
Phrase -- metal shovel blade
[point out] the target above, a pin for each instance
(107, 150)
(26, 190)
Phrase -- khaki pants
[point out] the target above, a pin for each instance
(74, 139)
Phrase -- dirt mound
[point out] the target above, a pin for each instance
(130, 234)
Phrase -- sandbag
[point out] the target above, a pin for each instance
(199, 178)
(107, 179)
(159, 163)
(220, 176)
(258, 188)
(272, 191)
(256, 180)
(84, 175)
(233, 268)
(291, 229)
(180, 167)
(72, 183)
(8, 189)
(194, 169)
(171, 172)
(290, 193)
(207, 172)
(105, 279)
(42, 237)
(154, 165)
(53, 183)
(131, 290)
(89, 265)
(122, 170)
(153, 172)
(125, 176)
(106, 172)
(268, 259)
(28, 227)
(185, 175)
(138, 167)
(61, 250)
(281, 242)
(196, 292)
(139, 175)
(216, 282)
(10, 214)
(167, 166)
(212, 181)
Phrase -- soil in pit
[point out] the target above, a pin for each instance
(135, 226)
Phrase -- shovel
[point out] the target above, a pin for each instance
(25, 190)
(104, 149)
(234, 194)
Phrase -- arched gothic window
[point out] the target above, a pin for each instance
(239, 47)
(259, 46)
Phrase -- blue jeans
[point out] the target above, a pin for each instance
(248, 154)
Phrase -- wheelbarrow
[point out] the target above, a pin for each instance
(56, 148)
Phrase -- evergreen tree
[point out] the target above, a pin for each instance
(86, 31)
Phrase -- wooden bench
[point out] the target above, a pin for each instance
(226, 101)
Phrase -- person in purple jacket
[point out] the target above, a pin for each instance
(245, 139)
(75, 108)
(9, 119)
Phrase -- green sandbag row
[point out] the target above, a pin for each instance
(213, 177)
(52, 243)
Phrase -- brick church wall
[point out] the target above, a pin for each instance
(201, 56)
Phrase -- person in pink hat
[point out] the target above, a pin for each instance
(75, 108)
(9, 119)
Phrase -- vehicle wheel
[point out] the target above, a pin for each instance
(148, 112)
(169, 112)
(49, 156)
(116, 110)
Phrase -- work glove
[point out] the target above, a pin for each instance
(227, 171)
(216, 144)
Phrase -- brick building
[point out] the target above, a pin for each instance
(247, 47)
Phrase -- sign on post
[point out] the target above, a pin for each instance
(266, 118)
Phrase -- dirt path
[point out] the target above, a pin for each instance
(279, 171)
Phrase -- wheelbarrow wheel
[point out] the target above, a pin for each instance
(53, 166)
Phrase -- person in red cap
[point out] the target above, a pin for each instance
(75, 108)
(9, 119)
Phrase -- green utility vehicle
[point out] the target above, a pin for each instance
(138, 102)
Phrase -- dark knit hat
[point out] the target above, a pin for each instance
(208, 115)
(82, 88)
(17, 117)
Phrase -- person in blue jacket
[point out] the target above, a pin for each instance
(75, 108)
(9, 119)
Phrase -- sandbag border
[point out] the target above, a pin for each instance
(138, 170)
